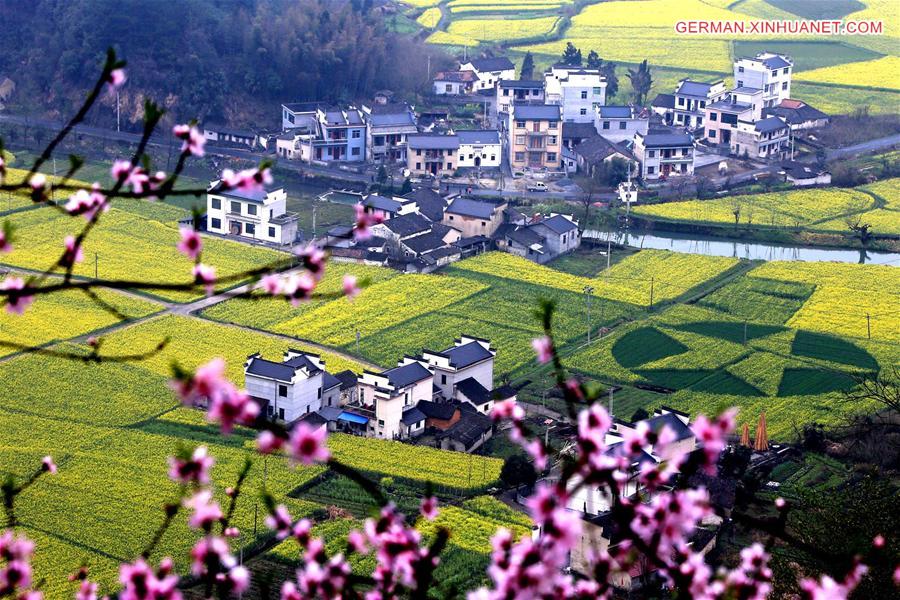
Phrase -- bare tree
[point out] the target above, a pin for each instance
(736, 207)
(883, 388)
(860, 229)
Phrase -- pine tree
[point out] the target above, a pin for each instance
(641, 81)
(593, 60)
(571, 55)
(527, 71)
(608, 70)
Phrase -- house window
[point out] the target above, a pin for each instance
(506, 92)
(551, 157)
(597, 91)
(520, 139)
(520, 156)
(215, 223)
(448, 88)
(380, 423)
(250, 229)
(419, 152)
(483, 224)
(520, 124)
(785, 71)
(281, 414)
(740, 83)
(703, 104)
(552, 139)
(713, 116)
(712, 133)
(775, 73)
(784, 85)
(308, 407)
(740, 70)
(650, 170)
(622, 124)
(271, 232)
(282, 391)
(651, 154)
(418, 166)
(320, 393)
(215, 203)
(552, 125)
(236, 207)
(583, 111)
(605, 124)
(443, 379)
(681, 102)
(584, 94)
(355, 134)
(449, 166)
(354, 151)
(251, 209)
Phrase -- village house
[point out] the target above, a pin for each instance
(479, 148)
(576, 133)
(467, 366)
(664, 154)
(767, 138)
(388, 127)
(454, 83)
(259, 215)
(541, 240)
(804, 174)
(664, 106)
(691, 98)
(489, 71)
(216, 133)
(290, 389)
(534, 137)
(474, 217)
(797, 114)
(432, 154)
(388, 208)
(723, 114)
(579, 91)
(593, 152)
(768, 72)
(514, 91)
(316, 133)
(388, 399)
(429, 203)
(620, 123)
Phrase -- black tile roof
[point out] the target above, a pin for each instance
(471, 208)
(436, 410)
(664, 101)
(578, 131)
(329, 381)
(770, 124)
(406, 375)
(774, 62)
(313, 419)
(536, 112)
(681, 430)
(474, 240)
(615, 112)
(347, 378)
(525, 236)
(257, 196)
(425, 243)
(382, 203)
(474, 391)
(521, 84)
(466, 354)
(469, 429)
(686, 87)
(267, 368)
(431, 141)
(665, 140)
(478, 136)
(412, 416)
(498, 63)
(431, 204)
(558, 224)
(797, 115)
(408, 224)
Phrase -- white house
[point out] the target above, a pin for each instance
(392, 396)
(577, 90)
(664, 154)
(489, 71)
(293, 388)
(767, 138)
(620, 123)
(766, 71)
(256, 215)
(220, 133)
(691, 98)
(465, 371)
(511, 91)
(479, 148)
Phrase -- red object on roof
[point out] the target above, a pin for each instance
(792, 103)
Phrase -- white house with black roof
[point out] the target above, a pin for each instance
(768, 72)
(388, 207)
(798, 114)
(479, 148)
(489, 71)
(512, 91)
(389, 125)
(767, 138)
(259, 215)
(691, 98)
(620, 123)
(388, 396)
(664, 154)
(290, 389)
(469, 362)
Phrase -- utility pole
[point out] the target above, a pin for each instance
(96, 261)
(651, 292)
(118, 128)
(357, 342)
(610, 401)
(588, 291)
(869, 325)
(428, 68)
(314, 220)
(608, 252)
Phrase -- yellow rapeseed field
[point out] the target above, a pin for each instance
(493, 30)
(878, 73)
(429, 18)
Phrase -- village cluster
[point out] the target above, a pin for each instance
(558, 124)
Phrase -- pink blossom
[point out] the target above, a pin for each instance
(236, 580)
(826, 588)
(271, 284)
(280, 521)
(194, 469)
(193, 139)
(248, 180)
(313, 259)
(780, 503)
(139, 582)
(206, 382)
(364, 222)
(48, 465)
(73, 253)
(86, 591)
(206, 511)
(120, 169)
(190, 244)
(299, 288)
(232, 407)
(210, 555)
(38, 181)
(206, 275)
(86, 203)
(17, 297)
(2, 168)
(897, 575)
(543, 347)
(429, 508)
(15, 547)
(116, 79)
(301, 532)
(351, 289)
(5, 243)
(267, 442)
(878, 541)
(231, 532)
(307, 445)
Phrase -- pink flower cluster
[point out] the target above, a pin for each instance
(18, 296)
(193, 140)
(87, 203)
(248, 180)
(140, 582)
(140, 181)
(193, 469)
(15, 566)
(190, 244)
(228, 406)
(364, 221)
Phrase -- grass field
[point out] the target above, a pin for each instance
(127, 245)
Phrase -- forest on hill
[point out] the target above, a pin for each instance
(224, 60)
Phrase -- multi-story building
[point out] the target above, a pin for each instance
(577, 90)
(489, 71)
(453, 83)
(664, 154)
(534, 137)
(388, 127)
(392, 395)
(474, 217)
(620, 123)
(254, 215)
(768, 138)
(691, 98)
(293, 388)
(314, 133)
(468, 365)
(479, 148)
(432, 154)
(512, 91)
(723, 114)
(767, 71)
(542, 240)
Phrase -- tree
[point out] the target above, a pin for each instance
(641, 81)
(571, 55)
(860, 229)
(736, 207)
(593, 60)
(381, 176)
(608, 70)
(517, 470)
(527, 71)
(406, 187)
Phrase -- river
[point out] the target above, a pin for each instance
(711, 246)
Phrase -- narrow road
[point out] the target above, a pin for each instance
(878, 144)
